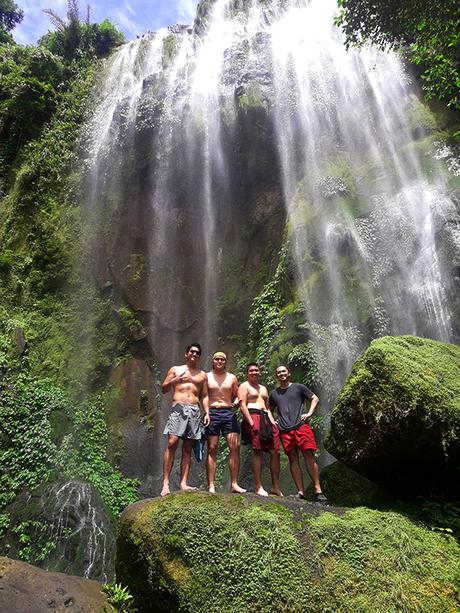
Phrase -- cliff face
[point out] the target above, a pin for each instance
(244, 182)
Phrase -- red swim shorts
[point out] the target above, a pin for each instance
(301, 438)
(252, 435)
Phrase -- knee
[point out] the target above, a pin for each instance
(172, 445)
(212, 450)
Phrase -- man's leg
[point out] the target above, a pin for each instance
(187, 446)
(295, 470)
(211, 462)
(313, 471)
(233, 442)
(168, 461)
(257, 461)
(275, 471)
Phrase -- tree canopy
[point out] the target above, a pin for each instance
(10, 15)
(430, 31)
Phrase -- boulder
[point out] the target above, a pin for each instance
(26, 589)
(346, 488)
(397, 419)
(211, 553)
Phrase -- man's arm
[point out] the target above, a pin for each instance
(242, 398)
(170, 380)
(234, 390)
(204, 398)
(267, 406)
(312, 409)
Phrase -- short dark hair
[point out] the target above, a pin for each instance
(251, 364)
(197, 345)
(282, 366)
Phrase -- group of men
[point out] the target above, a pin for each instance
(217, 393)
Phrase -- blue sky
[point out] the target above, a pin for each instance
(132, 17)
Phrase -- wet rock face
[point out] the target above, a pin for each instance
(26, 589)
(68, 528)
(397, 419)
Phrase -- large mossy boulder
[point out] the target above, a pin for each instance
(201, 552)
(397, 419)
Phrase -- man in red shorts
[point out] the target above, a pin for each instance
(253, 399)
(295, 432)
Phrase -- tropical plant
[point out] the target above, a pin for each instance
(429, 31)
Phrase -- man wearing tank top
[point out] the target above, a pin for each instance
(222, 389)
(253, 399)
(295, 432)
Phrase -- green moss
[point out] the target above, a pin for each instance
(397, 419)
(252, 98)
(374, 561)
(221, 553)
(170, 48)
(420, 115)
(214, 553)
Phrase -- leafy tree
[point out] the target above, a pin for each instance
(74, 38)
(430, 31)
(10, 15)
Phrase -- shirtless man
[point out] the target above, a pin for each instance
(253, 399)
(189, 387)
(221, 419)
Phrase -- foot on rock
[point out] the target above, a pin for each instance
(320, 497)
(261, 492)
(276, 492)
(188, 488)
(236, 489)
(165, 491)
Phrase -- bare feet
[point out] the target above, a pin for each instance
(165, 491)
(188, 488)
(276, 492)
(261, 492)
(212, 489)
(236, 489)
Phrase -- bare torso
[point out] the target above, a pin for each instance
(222, 389)
(189, 389)
(256, 395)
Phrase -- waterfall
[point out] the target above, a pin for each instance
(196, 134)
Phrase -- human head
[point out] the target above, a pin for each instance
(219, 360)
(194, 347)
(251, 364)
(282, 374)
(252, 370)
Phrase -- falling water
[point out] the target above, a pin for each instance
(176, 164)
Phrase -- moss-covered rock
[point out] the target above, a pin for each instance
(214, 553)
(397, 419)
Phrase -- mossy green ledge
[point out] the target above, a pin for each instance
(397, 419)
(229, 553)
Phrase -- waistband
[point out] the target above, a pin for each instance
(228, 408)
(185, 404)
(253, 411)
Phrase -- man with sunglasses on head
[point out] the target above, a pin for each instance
(295, 431)
(189, 386)
(221, 420)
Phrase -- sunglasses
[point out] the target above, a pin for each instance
(194, 352)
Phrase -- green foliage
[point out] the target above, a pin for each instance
(430, 29)
(74, 39)
(119, 597)
(95, 40)
(29, 453)
(10, 15)
(29, 94)
(83, 454)
(35, 542)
